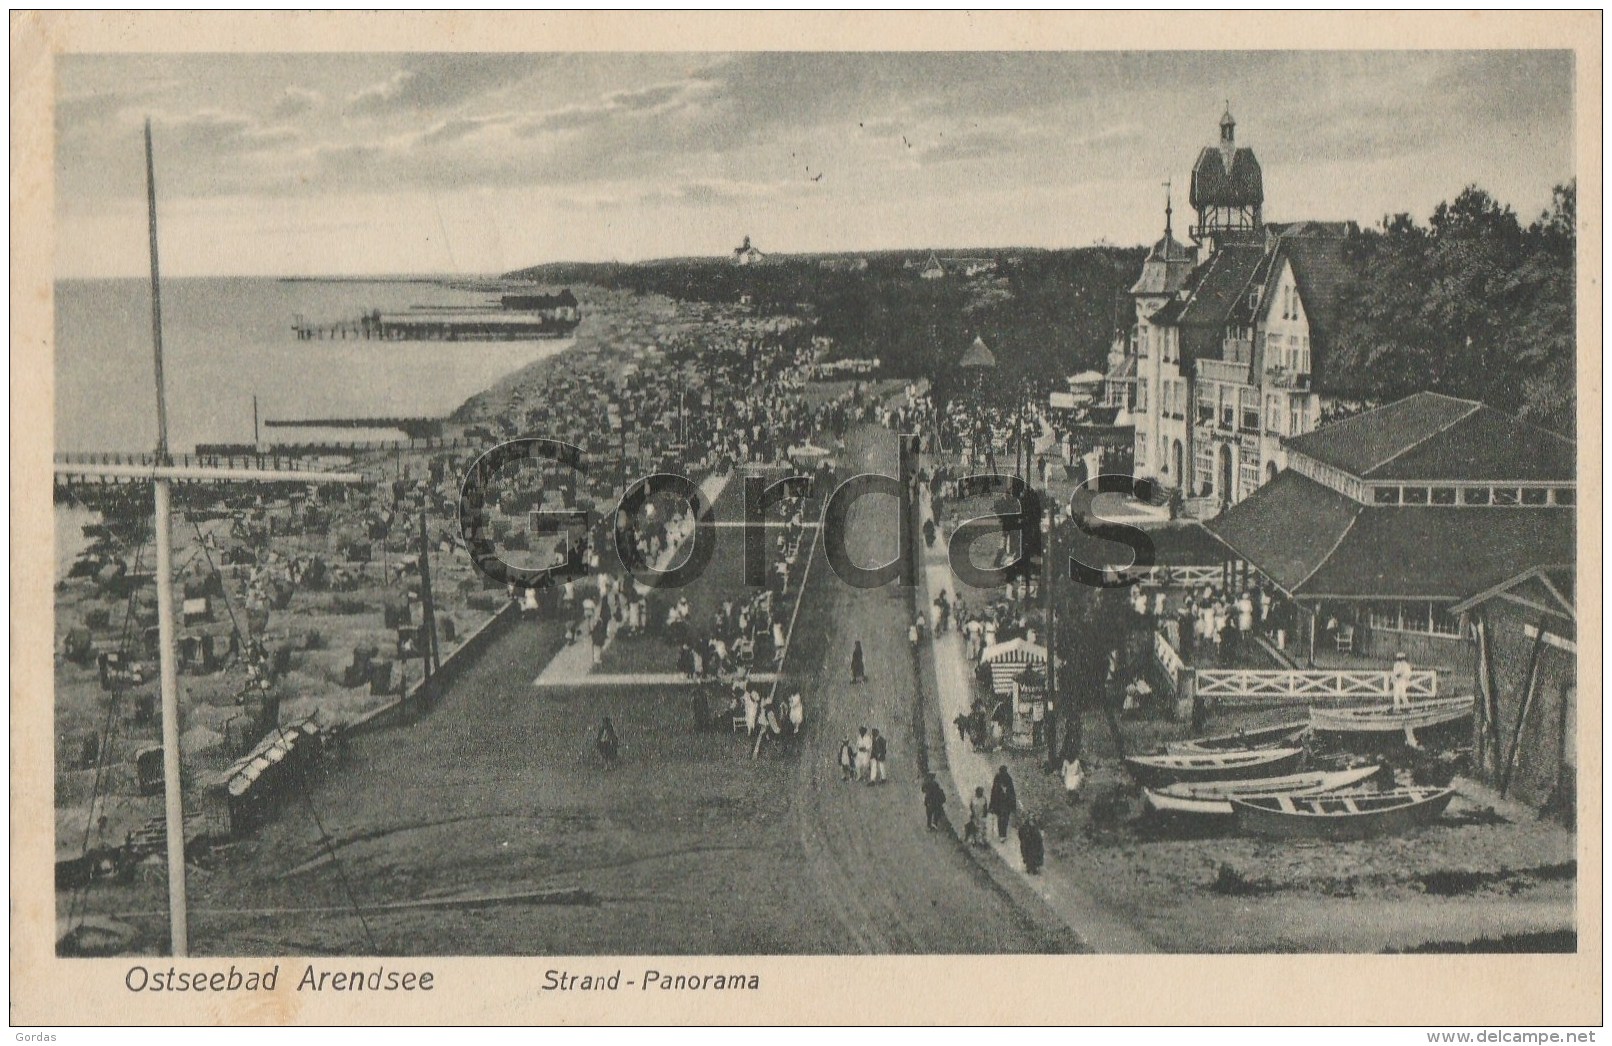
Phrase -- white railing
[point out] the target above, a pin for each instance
(1306, 686)
(1177, 575)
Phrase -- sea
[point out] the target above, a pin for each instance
(226, 340)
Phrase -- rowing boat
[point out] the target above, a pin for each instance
(1340, 815)
(1387, 719)
(1265, 737)
(1155, 770)
(1213, 798)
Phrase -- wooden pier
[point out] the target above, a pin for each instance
(438, 324)
(413, 428)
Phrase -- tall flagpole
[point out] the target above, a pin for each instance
(172, 786)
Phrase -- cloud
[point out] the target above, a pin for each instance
(213, 131)
(657, 98)
(452, 130)
(443, 81)
(295, 101)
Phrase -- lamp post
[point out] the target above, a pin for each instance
(1049, 532)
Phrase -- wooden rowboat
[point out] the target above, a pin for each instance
(1156, 770)
(1340, 815)
(1418, 715)
(1213, 798)
(1266, 737)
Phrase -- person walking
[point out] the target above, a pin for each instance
(1004, 801)
(858, 672)
(979, 818)
(1032, 847)
(864, 754)
(934, 800)
(608, 744)
(879, 749)
(847, 760)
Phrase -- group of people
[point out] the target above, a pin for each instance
(1001, 806)
(764, 713)
(864, 759)
(1211, 621)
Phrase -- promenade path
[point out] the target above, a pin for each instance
(574, 663)
(495, 812)
(1055, 884)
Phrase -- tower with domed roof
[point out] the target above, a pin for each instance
(1228, 189)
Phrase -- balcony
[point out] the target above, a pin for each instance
(1223, 370)
(1282, 378)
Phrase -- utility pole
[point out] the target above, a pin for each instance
(430, 661)
(1049, 527)
(161, 475)
(172, 790)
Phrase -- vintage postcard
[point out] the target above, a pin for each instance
(780, 519)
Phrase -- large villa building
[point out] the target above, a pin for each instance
(1219, 358)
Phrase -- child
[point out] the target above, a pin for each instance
(847, 760)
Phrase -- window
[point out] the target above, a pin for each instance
(1443, 496)
(1564, 496)
(1141, 395)
(1226, 408)
(1414, 616)
(1385, 495)
(1248, 477)
(1534, 495)
(1304, 354)
(1144, 334)
(1505, 495)
(1204, 462)
(1248, 401)
(1413, 495)
(1475, 496)
(1206, 411)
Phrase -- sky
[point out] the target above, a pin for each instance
(349, 164)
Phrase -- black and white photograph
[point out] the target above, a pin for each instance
(722, 503)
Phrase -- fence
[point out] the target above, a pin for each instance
(1236, 686)
(1297, 686)
(1181, 576)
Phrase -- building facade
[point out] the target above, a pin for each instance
(1226, 333)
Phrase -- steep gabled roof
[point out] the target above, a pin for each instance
(1430, 436)
(1220, 284)
(1316, 255)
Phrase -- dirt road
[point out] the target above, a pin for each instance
(688, 847)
